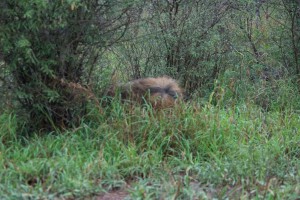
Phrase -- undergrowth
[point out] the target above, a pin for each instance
(192, 151)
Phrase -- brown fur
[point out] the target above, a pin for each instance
(160, 92)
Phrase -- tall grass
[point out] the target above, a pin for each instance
(189, 152)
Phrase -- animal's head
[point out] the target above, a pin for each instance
(161, 92)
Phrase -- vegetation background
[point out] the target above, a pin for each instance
(237, 135)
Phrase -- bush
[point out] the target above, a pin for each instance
(51, 48)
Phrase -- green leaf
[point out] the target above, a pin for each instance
(23, 42)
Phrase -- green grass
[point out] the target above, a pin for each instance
(189, 152)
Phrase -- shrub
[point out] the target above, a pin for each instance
(51, 48)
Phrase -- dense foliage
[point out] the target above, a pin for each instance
(50, 49)
(54, 52)
(237, 135)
